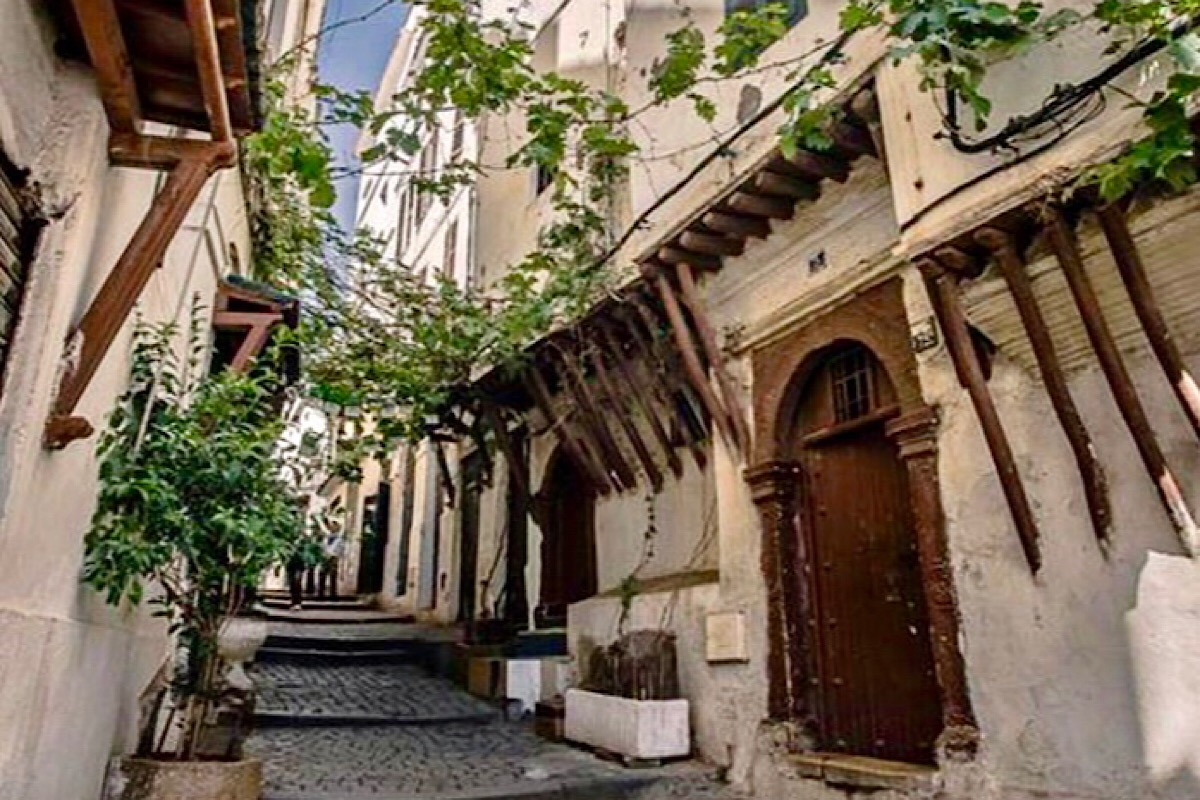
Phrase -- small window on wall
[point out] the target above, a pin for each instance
(797, 9)
(18, 238)
(450, 251)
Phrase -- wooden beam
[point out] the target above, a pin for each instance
(159, 152)
(737, 225)
(690, 295)
(711, 245)
(636, 389)
(953, 319)
(959, 261)
(814, 166)
(761, 206)
(208, 64)
(675, 255)
(100, 324)
(535, 384)
(853, 139)
(256, 339)
(1066, 249)
(594, 419)
(1141, 294)
(1091, 472)
(516, 469)
(776, 185)
(691, 360)
(106, 48)
(245, 319)
(625, 418)
(663, 378)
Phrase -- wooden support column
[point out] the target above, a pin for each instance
(776, 489)
(636, 389)
(708, 338)
(915, 435)
(516, 468)
(91, 338)
(1091, 472)
(691, 360)
(1133, 273)
(947, 304)
(1066, 248)
(258, 327)
(625, 418)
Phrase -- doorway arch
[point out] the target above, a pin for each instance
(876, 688)
(567, 516)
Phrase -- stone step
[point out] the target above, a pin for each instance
(341, 645)
(338, 604)
(393, 654)
(349, 615)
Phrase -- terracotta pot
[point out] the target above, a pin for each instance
(147, 779)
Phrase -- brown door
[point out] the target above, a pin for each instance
(568, 542)
(877, 695)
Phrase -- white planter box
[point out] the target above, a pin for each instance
(633, 728)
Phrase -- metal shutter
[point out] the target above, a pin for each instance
(16, 245)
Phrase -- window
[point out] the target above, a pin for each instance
(853, 390)
(428, 168)
(797, 9)
(456, 144)
(402, 224)
(450, 252)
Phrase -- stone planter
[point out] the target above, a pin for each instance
(643, 729)
(148, 779)
(239, 640)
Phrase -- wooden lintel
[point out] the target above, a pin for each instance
(690, 295)
(675, 255)
(762, 206)
(245, 319)
(621, 408)
(711, 245)
(953, 319)
(1012, 266)
(109, 55)
(778, 185)
(162, 152)
(736, 224)
(1124, 392)
(89, 341)
(1154, 324)
(691, 361)
(637, 389)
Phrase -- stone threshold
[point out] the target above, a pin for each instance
(863, 772)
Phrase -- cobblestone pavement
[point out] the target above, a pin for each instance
(322, 687)
(449, 760)
(402, 631)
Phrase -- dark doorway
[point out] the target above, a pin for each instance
(876, 690)
(468, 536)
(407, 504)
(568, 541)
(376, 511)
(516, 602)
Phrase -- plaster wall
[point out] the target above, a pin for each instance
(71, 668)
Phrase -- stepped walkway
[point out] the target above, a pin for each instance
(347, 712)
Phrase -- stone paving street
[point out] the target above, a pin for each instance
(332, 729)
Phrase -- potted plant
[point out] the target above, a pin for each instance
(630, 701)
(193, 508)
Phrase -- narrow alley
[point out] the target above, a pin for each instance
(348, 709)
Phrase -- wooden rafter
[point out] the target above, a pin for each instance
(1066, 249)
(593, 420)
(626, 419)
(105, 42)
(576, 446)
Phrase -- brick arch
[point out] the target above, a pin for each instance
(875, 319)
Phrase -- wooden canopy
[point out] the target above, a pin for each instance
(147, 57)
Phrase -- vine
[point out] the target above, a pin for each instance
(379, 336)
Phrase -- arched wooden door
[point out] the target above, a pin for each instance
(876, 689)
(567, 504)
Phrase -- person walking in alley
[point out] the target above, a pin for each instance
(334, 545)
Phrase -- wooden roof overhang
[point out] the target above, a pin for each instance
(247, 313)
(628, 385)
(183, 63)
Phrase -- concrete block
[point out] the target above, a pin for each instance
(644, 729)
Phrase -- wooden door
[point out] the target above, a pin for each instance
(877, 694)
(516, 601)
(568, 542)
(407, 508)
(376, 515)
(468, 536)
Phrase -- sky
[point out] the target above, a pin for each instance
(354, 57)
